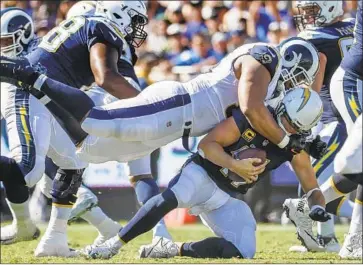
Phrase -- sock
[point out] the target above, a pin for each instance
(104, 224)
(58, 219)
(146, 189)
(148, 215)
(212, 247)
(71, 99)
(326, 229)
(356, 222)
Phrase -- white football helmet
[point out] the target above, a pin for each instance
(302, 108)
(300, 62)
(317, 13)
(81, 8)
(130, 17)
(17, 30)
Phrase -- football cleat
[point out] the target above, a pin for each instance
(106, 250)
(19, 72)
(297, 210)
(54, 244)
(86, 200)
(112, 229)
(16, 233)
(329, 244)
(161, 247)
(352, 247)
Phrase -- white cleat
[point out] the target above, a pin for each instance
(297, 210)
(54, 245)
(105, 251)
(13, 233)
(113, 229)
(161, 247)
(86, 200)
(352, 247)
(329, 244)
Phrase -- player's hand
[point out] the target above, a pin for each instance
(318, 213)
(246, 170)
(317, 148)
(296, 144)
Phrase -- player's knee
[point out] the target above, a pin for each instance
(134, 179)
(228, 250)
(65, 186)
(34, 174)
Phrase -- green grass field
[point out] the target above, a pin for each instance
(273, 242)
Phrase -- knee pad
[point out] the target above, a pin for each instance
(356, 178)
(65, 186)
(332, 207)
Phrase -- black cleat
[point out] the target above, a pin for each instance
(19, 72)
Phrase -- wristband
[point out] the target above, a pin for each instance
(39, 82)
(317, 207)
(285, 141)
(308, 194)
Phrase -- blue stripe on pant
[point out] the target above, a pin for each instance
(351, 96)
(141, 110)
(28, 151)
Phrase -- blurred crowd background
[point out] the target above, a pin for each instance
(185, 39)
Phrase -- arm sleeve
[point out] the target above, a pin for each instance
(269, 57)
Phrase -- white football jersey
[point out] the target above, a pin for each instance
(220, 86)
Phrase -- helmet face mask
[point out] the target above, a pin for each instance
(138, 22)
(309, 15)
(317, 13)
(17, 31)
(129, 17)
(300, 63)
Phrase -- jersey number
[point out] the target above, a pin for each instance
(54, 39)
(345, 44)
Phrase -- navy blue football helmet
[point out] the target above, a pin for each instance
(300, 62)
(17, 30)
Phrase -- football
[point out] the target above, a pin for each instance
(244, 154)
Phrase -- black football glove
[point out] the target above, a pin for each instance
(319, 214)
(317, 148)
(296, 144)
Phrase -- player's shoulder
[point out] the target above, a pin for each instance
(103, 26)
(332, 32)
(267, 55)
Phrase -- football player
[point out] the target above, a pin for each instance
(321, 22)
(165, 111)
(98, 40)
(230, 219)
(346, 93)
(17, 38)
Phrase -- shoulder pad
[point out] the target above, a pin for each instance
(318, 33)
(94, 20)
(267, 55)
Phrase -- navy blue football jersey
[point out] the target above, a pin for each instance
(334, 41)
(353, 62)
(65, 50)
(249, 139)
